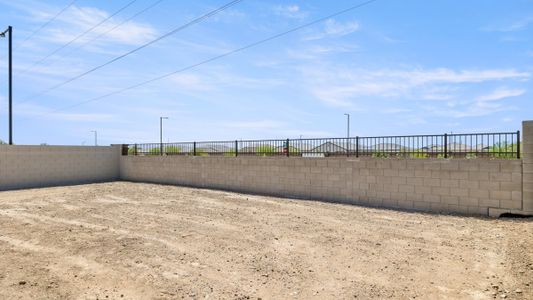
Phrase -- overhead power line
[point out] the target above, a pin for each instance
(216, 57)
(182, 27)
(79, 36)
(110, 30)
(45, 24)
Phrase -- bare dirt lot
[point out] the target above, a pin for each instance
(143, 241)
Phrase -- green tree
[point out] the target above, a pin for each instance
(2, 142)
(264, 150)
(131, 150)
(199, 152)
(172, 150)
(380, 154)
(503, 150)
(154, 151)
(229, 153)
(419, 154)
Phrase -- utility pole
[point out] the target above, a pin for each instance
(95, 137)
(161, 134)
(9, 31)
(347, 125)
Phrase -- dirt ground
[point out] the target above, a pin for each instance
(144, 241)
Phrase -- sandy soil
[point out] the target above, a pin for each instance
(143, 241)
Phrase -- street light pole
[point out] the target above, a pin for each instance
(161, 134)
(347, 125)
(9, 31)
(95, 137)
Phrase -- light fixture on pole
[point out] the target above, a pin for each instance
(9, 31)
(347, 125)
(161, 134)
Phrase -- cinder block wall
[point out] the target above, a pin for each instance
(527, 154)
(38, 166)
(456, 185)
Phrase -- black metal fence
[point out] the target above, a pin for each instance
(472, 145)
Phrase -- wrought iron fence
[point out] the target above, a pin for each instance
(472, 145)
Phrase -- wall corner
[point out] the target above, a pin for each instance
(118, 152)
(527, 166)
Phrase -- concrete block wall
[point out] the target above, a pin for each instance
(454, 185)
(527, 159)
(469, 186)
(38, 166)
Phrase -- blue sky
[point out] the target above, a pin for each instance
(398, 67)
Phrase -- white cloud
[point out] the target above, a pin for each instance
(341, 87)
(78, 19)
(516, 25)
(395, 110)
(190, 82)
(476, 109)
(359, 89)
(335, 29)
(317, 51)
(501, 93)
(339, 29)
(36, 111)
(218, 78)
(290, 11)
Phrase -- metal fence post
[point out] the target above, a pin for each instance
(518, 144)
(236, 147)
(357, 146)
(288, 148)
(445, 145)
(194, 148)
(161, 149)
(135, 150)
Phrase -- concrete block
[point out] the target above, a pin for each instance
(391, 172)
(489, 166)
(423, 189)
(476, 210)
(453, 200)
(469, 184)
(500, 195)
(421, 205)
(510, 186)
(469, 165)
(499, 176)
(489, 185)
(433, 182)
(405, 204)
(486, 202)
(496, 212)
(414, 181)
(478, 175)
(459, 192)
(450, 165)
(440, 174)
(451, 183)
(422, 173)
(431, 198)
(406, 173)
(441, 191)
(480, 194)
(510, 204)
(527, 197)
(410, 189)
(468, 201)
(432, 165)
